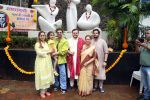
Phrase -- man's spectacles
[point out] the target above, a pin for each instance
(42, 35)
(59, 32)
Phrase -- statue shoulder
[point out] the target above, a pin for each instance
(95, 13)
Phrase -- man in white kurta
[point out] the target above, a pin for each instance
(102, 54)
(73, 58)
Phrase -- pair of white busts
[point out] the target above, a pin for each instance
(89, 20)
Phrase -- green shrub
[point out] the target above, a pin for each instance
(17, 41)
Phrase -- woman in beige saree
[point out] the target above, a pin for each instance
(88, 56)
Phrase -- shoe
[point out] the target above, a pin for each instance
(63, 92)
(55, 89)
(94, 89)
(101, 90)
(55, 73)
(47, 93)
(42, 95)
(140, 97)
(71, 87)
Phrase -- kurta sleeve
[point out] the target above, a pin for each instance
(39, 52)
(64, 48)
(105, 48)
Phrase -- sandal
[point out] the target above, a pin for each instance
(42, 95)
(47, 93)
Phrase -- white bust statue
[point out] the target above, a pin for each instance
(71, 14)
(89, 19)
(48, 13)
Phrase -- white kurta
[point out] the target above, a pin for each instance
(101, 49)
(71, 15)
(73, 47)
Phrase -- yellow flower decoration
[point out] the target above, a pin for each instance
(35, 16)
(35, 1)
(14, 64)
(30, 73)
(117, 60)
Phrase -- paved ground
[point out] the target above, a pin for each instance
(23, 90)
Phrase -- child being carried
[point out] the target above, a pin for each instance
(52, 45)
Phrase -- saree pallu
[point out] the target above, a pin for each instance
(85, 85)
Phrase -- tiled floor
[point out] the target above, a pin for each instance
(23, 90)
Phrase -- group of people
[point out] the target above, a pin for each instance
(79, 59)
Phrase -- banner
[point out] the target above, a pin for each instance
(21, 19)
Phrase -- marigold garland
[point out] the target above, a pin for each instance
(14, 64)
(30, 73)
(117, 60)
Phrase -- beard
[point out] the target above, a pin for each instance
(95, 37)
(75, 36)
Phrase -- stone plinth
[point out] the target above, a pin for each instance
(33, 34)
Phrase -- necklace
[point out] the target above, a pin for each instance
(87, 46)
(88, 15)
(68, 1)
(52, 10)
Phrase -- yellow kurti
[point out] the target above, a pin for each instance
(44, 76)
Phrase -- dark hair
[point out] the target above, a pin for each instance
(3, 13)
(59, 29)
(48, 34)
(39, 38)
(96, 30)
(147, 31)
(75, 30)
(88, 36)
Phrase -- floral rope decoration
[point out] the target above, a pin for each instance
(30, 73)
(117, 60)
(14, 64)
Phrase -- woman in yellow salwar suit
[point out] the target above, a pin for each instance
(88, 67)
(44, 76)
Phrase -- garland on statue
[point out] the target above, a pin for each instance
(14, 64)
(116, 61)
(30, 73)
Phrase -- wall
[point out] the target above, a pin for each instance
(121, 74)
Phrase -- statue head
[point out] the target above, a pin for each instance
(88, 7)
(52, 2)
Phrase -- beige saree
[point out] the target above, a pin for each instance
(85, 85)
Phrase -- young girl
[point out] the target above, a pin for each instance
(52, 46)
(44, 76)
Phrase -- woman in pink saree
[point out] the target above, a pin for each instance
(88, 68)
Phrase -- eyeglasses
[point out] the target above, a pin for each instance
(75, 33)
(42, 35)
(59, 32)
